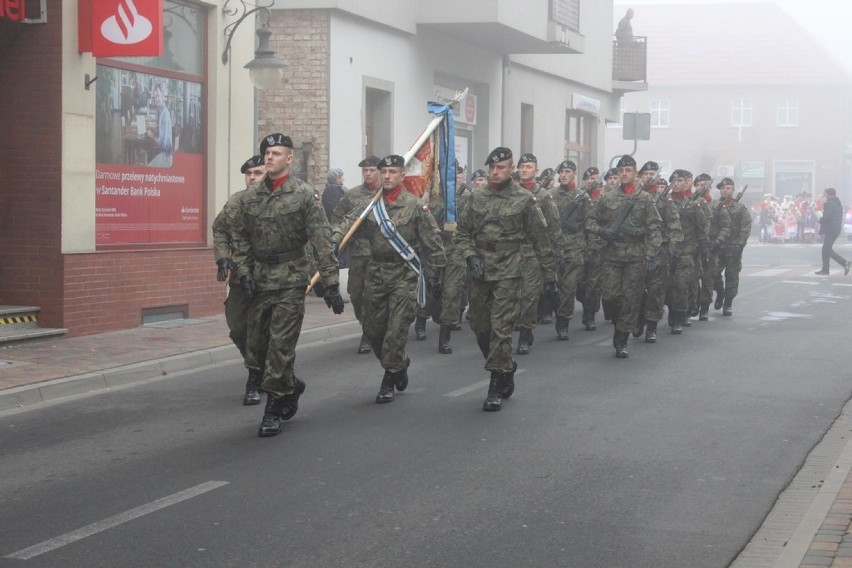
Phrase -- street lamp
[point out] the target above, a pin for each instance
(265, 71)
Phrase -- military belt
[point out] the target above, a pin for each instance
(387, 257)
(491, 246)
(285, 256)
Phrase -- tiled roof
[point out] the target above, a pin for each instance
(734, 44)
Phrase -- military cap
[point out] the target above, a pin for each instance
(276, 139)
(649, 166)
(527, 158)
(459, 169)
(612, 172)
(661, 182)
(252, 162)
(592, 171)
(686, 173)
(725, 181)
(566, 165)
(546, 173)
(478, 174)
(701, 177)
(498, 155)
(392, 161)
(369, 162)
(626, 161)
(676, 174)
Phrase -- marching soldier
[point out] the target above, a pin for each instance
(494, 224)
(693, 224)
(629, 225)
(236, 305)
(718, 231)
(532, 273)
(277, 218)
(611, 180)
(356, 200)
(590, 284)
(731, 251)
(396, 276)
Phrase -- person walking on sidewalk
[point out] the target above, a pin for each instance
(830, 227)
(236, 304)
(277, 218)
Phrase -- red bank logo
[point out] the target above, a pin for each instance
(127, 26)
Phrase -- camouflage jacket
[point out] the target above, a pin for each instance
(572, 206)
(493, 225)
(719, 222)
(643, 218)
(354, 200)
(551, 221)
(740, 224)
(671, 232)
(271, 231)
(693, 223)
(223, 229)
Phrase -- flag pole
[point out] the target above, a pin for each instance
(424, 136)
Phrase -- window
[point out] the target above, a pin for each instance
(741, 111)
(660, 113)
(788, 112)
(578, 138)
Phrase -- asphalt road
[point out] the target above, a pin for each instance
(672, 457)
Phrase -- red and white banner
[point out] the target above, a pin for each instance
(421, 174)
(121, 28)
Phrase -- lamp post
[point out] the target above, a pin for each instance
(265, 71)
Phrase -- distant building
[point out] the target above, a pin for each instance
(744, 91)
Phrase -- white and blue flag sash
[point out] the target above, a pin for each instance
(388, 229)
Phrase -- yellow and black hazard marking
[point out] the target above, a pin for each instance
(18, 319)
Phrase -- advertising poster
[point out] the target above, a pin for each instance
(149, 172)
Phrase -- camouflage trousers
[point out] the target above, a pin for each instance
(388, 308)
(731, 264)
(589, 287)
(531, 287)
(236, 310)
(622, 286)
(355, 283)
(274, 323)
(569, 279)
(681, 281)
(494, 309)
(708, 276)
(694, 289)
(656, 285)
(455, 283)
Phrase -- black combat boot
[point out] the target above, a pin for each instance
(494, 399)
(726, 309)
(693, 311)
(650, 332)
(640, 327)
(525, 341)
(720, 300)
(364, 346)
(677, 322)
(291, 401)
(685, 320)
(444, 340)
(589, 320)
(703, 312)
(420, 328)
(271, 423)
(562, 328)
(508, 381)
(386, 390)
(400, 378)
(252, 396)
(545, 315)
(621, 347)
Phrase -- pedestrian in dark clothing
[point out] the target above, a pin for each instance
(830, 227)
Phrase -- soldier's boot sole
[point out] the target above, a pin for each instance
(291, 401)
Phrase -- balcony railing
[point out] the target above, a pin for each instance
(629, 60)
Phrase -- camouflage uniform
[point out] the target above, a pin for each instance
(589, 287)
(573, 205)
(354, 201)
(731, 254)
(718, 231)
(657, 281)
(693, 223)
(273, 227)
(236, 304)
(493, 226)
(455, 274)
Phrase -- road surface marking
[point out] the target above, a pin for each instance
(476, 386)
(771, 272)
(809, 282)
(115, 520)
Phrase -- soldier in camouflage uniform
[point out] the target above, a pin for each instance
(494, 224)
(236, 304)
(731, 251)
(572, 206)
(589, 289)
(718, 231)
(695, 244)
(390, 286)
(277, 218)
(531, 274)
(356, 200)
(627, 221)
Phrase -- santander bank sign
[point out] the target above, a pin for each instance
(118, 28)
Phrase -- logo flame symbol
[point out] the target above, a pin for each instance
(127, 26)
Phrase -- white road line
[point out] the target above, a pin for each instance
(809, 282)
(840, 284)
(115, 520)
(771, 272)
(476, 386)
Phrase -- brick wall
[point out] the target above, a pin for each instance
(30, 164)
(300, 109)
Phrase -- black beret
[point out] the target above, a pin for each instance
(276, 139)
(686, 173)
(593, 171)
(369, 162)
(676, 174)
(547, 172)
(725, 181)
(661, 182)
(612, 172)
(252, 162)
(459, 169)
(392, 161)
(527, 158)
(566, 165)
(626, 161)
(478, 174)
(702, 177)
(649, 166)
(498, 155)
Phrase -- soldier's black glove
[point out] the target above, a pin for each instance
(608, 235)
(333, 299)
(436, 288)
(551, 294)
(248, 285)
(475, 268)
(319, 289)
(224, 265)
(650, 263)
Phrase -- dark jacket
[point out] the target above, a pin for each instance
(331, 196)
(832, 217)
